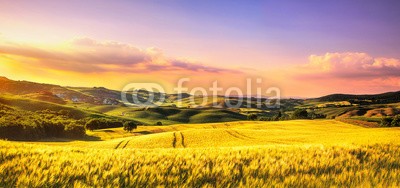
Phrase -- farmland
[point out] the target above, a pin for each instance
(251, 154)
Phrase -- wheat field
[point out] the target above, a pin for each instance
(298, 153)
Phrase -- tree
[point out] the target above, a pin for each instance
(279, 115)
(386, 121)
(300, 114)
(92, 124)
(129, 126)
(74, 131)
(159, 123)
(252, 117)
(396, 121)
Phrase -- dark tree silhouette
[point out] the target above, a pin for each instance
(129, 126)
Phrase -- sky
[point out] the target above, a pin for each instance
(305, 48)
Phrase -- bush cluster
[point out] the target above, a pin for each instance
(102, 123)
(390, 121)
(280, 116)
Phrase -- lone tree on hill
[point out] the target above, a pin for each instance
(129, 126)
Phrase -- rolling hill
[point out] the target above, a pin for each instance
(186, 108)
(389, 97)
(242, 133)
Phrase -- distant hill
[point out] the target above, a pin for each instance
(59, 94)
(100, 95)
(389, 97)
(28, 88)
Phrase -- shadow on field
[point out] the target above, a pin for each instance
(144, 132)
(85, 138)
(108, 131)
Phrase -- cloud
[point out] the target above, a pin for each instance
(350, 65)
(348, 72)
(87, 55)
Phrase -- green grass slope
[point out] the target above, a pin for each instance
(168, 115)
(21, 103)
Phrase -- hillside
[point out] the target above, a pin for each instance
(389, 97)
(60, 94)
(235, 134)
(26, 87)
(191, 109)
(170, 115)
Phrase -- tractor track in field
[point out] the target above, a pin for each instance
(116, 147)
(127, 142)
(178, 140)
(182, 140)
(120, 146)
(174, 140)
(238, 135)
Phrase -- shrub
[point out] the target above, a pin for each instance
(101, 123)
(252, 117)
(159, 123)
(396, 121)
(74, 131)
(386, 121)
(92, 124)
(300, 114)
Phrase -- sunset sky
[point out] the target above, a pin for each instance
(306, 48)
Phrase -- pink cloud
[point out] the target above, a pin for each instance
(350, 65)
(349, 72)
(89, 55)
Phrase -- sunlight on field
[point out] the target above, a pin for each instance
(299, 132)
(41, 166)
(311, 153)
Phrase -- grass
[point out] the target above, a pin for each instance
(300, 153)
(76, 110)
(21, 103)
(39, 166)
(167, 115)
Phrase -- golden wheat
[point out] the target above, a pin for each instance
(25, 165)
(240, 154)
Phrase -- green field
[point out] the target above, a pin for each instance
(246, 154)
(166, 115)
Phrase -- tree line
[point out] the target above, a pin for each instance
(26, 125)
(280, 116)
(390, 121)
